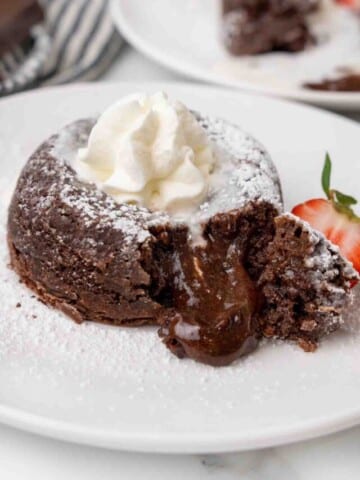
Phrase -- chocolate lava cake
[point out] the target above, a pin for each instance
(241, 271)
(258, 26)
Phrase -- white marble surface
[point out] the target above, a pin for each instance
(24, 456)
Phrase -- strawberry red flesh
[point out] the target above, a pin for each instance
(334, 218)
(336, 226)
(349, 3)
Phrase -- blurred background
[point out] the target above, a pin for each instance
(306, 50)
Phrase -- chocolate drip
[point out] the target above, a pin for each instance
(347, 83)
(215, 302)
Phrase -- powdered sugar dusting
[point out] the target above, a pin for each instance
(323, 257)
(94, 208)
(244, 173)
(324, 264)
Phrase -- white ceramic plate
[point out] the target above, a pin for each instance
(184, 36)
(121, 388)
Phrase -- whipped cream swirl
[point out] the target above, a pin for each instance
(149, 151)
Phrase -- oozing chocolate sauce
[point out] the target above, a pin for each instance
(213, 319)
(347, 83)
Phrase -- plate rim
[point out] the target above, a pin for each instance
(175, 442)
(337, 100)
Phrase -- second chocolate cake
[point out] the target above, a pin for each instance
(258, 26)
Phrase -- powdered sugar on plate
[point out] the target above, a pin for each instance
(41, 348)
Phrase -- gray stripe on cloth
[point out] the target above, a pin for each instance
(83, 44)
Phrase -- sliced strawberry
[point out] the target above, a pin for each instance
(318, 212)
(334, 217)
(349, 3)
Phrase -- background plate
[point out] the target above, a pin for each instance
(184, 35)
(121, 388)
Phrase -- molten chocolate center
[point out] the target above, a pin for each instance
(213, 314)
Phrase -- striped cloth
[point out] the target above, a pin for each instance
(78, 42)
